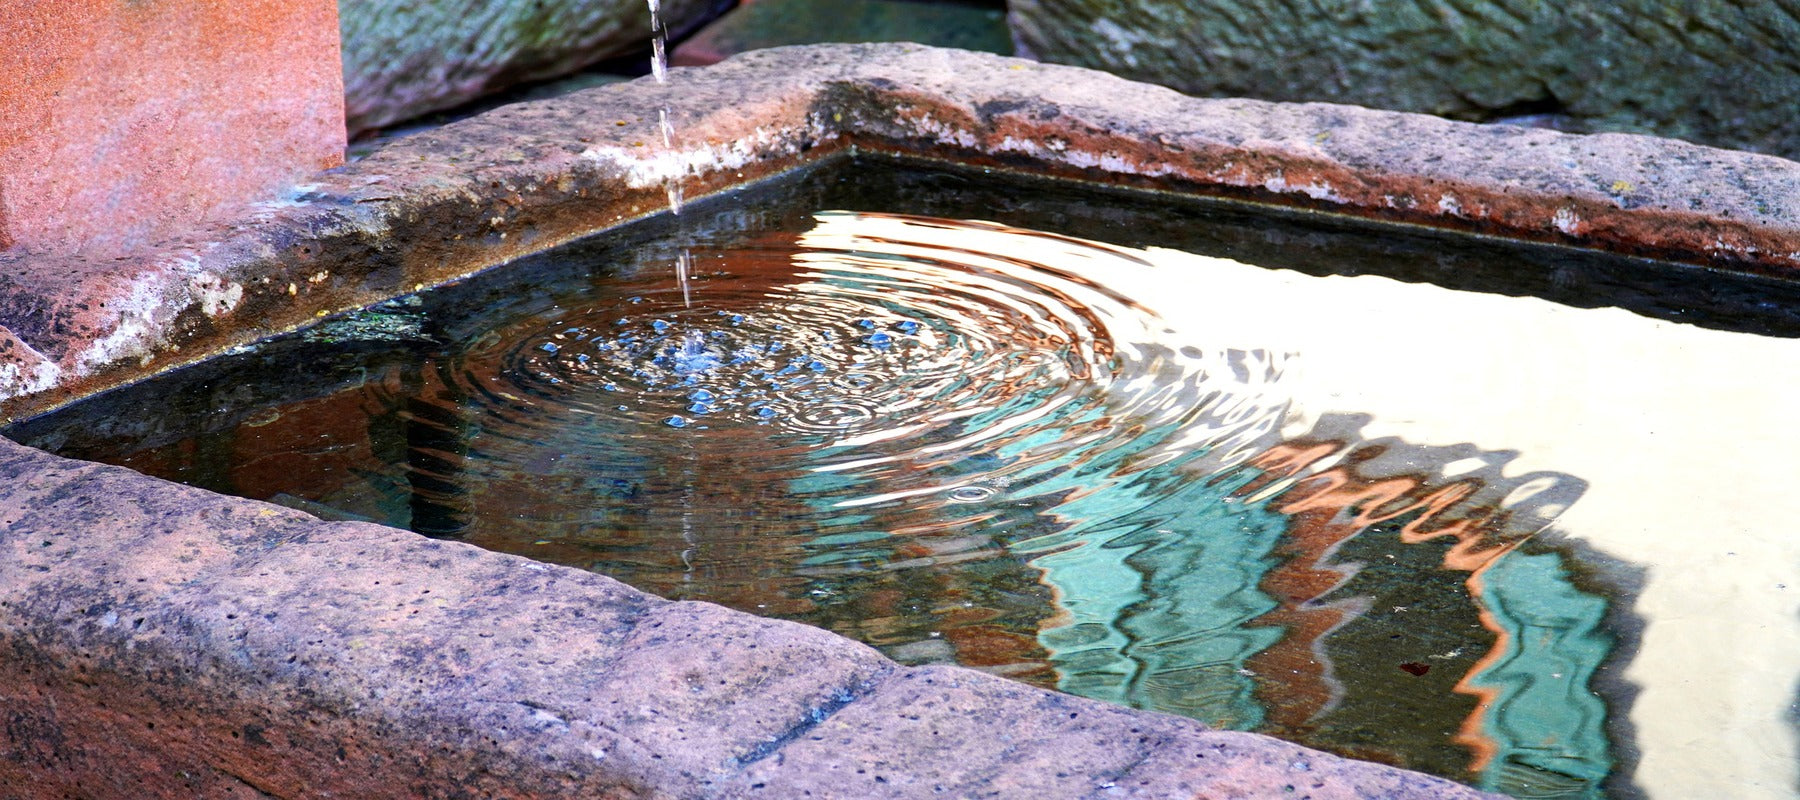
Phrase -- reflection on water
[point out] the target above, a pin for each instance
(1118, 472)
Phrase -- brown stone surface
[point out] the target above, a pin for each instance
(122, 122)
(160, 641)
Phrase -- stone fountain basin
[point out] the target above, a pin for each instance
(162, 641)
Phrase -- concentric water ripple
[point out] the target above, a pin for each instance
(912, 358)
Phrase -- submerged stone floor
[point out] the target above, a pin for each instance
(166, 642)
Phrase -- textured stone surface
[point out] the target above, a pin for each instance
(447, 203)
(405, 59)
(1718, 72)
(123, 123)
(164, 642)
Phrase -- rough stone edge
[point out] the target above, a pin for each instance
(527, 177)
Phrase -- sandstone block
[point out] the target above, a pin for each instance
(125, 123)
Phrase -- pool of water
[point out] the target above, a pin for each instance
(1372, 492)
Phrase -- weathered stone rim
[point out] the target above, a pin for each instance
(126, 602)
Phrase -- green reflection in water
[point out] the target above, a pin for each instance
(1547, 727)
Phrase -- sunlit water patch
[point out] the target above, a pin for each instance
(1391, 521)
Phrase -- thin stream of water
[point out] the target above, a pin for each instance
(659, 67)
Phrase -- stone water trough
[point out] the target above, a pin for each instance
(160, 641)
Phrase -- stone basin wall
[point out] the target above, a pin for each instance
(166, 642)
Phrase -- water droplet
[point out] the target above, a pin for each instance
(970, 494)
(548, 347)
(907, 326)
(676, 421)
(659, 325)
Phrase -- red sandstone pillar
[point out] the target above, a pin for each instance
(126, 121)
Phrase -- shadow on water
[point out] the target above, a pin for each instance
(1049, 518)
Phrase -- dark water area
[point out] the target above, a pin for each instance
(974, 455)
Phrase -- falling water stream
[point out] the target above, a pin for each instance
(1336, 509)
(659, 67)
